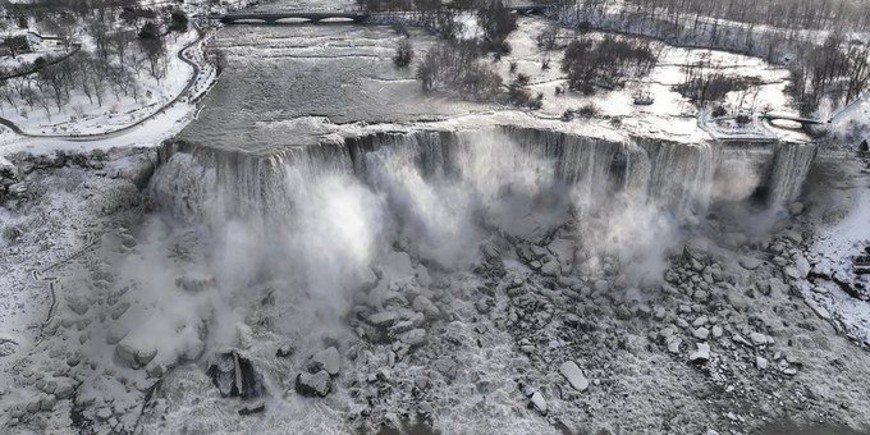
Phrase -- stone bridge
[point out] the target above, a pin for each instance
(277, 17)
(315, 17)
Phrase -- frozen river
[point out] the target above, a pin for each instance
(282, 84)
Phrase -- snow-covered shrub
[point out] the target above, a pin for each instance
(608, 62)
(404, 54)
(455, 69)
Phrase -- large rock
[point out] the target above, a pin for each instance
(551, 268)
(328, 360)
(414, 337)
(563, 249)
(65, 388)
(539, 403)
(313, 385)
(574, 375)
(801, 265)
(235, 376)
(777, 287)
(423, 305)
(760, 339)
(749, 263)
(134, 356)
(77, 303)
(701, 355)
(674, 345)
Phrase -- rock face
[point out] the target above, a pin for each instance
(235, 376)
(574, 375)
(314, 385)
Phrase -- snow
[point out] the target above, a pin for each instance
(835, 246)
(671, 114)
(83, 116)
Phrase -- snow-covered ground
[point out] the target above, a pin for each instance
(842, 233)
(83, 115)
(670, 114)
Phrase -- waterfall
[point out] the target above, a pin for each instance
(213, 186)
(681, 176)
(791, 164)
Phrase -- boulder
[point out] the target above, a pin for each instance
(796, 208)
(328, 360)
(801, 265)
(563, 249)
(65, 388)
(423, 305)
(760, 339)
(235, 376)
(252, 408)
(793, 236)
(539, 403)
(574, 375)
(132, 355)
(701, 355)
(674, 345)
(414, 337)
(313, 385)
(285, 350)
(551, 268)
(749, 263)
(421, 382)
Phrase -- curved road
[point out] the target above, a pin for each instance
(115, 133)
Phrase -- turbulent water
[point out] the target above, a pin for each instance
(672, 177)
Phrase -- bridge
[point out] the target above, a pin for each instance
(802, 121)
(316, 17)
(277, 17)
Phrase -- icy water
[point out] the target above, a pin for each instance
(282, 83)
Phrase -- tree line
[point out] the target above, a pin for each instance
(824, 68)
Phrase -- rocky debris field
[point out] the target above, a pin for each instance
(532, 339)
(56, 210)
